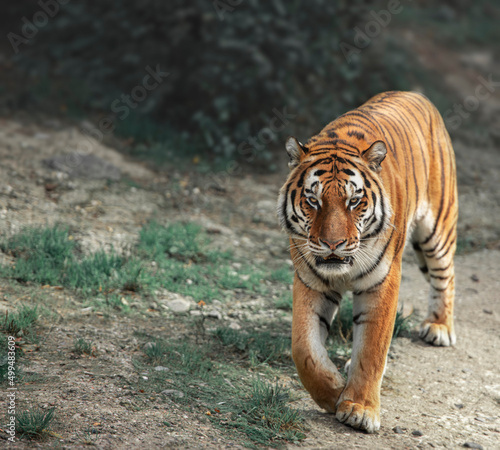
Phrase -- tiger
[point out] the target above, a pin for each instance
(376, 178)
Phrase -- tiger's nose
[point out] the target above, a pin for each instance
(333, 245)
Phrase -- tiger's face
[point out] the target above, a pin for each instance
(332, 206)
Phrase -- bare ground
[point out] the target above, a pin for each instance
(448, 396)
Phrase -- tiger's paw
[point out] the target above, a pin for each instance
(437, 334)
(358, 416)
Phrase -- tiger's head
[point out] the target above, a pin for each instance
(332, 206)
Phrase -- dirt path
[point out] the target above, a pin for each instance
(438, 397)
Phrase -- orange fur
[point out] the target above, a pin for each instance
(368, 182)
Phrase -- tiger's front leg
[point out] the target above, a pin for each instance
(313, 313)
(374, 313)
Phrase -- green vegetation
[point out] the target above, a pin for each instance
(402, 325)
(19, 324)
(41, 254)
(284, 301)
(283, 275)
(220, 383)
(467, 245)
(183, 263)
(297, 68)
(259, 347)
(476, 23)
(83, 347)
(21, 321)
(4, 368)
(32, 424)
(267, 415)
(48, 256)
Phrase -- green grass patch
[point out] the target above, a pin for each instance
(48, 256)
(20, 324)
(21, 321)
(402, 325)
(33, 424)
(283, 275)
(186, 265)
(41, 254)
(467, 245)
(223, 389)
(180, 253)
(260, 347)
(183, 241)
(265, 416)
(183, 261)
(4, 368)
(83, 347)
(284, 301)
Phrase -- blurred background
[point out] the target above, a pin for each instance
(224, 68)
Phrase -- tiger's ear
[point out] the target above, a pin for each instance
(295, 150)
(375, 155)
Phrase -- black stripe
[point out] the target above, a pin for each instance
(367, 182)
(382, 219)
(447, 249)
(378, 260)
(285, 207)
(356, 318)
(440, 268)
(439, 278)
(302, 281)
(324, 322)
(356, 134)
(335, 300)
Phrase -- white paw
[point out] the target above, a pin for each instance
(437, 334)
(358, 416)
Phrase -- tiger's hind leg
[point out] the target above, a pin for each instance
(438, 250)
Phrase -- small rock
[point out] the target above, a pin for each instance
(473, 445)
(161, 369)
(487, 311)
(172, 393)
(398, 430)
(459, 405)
(235, 326)
(417, 433)
(214, 315)
(83, 166)
(149, 345)
(475, 278)
(179, 305)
